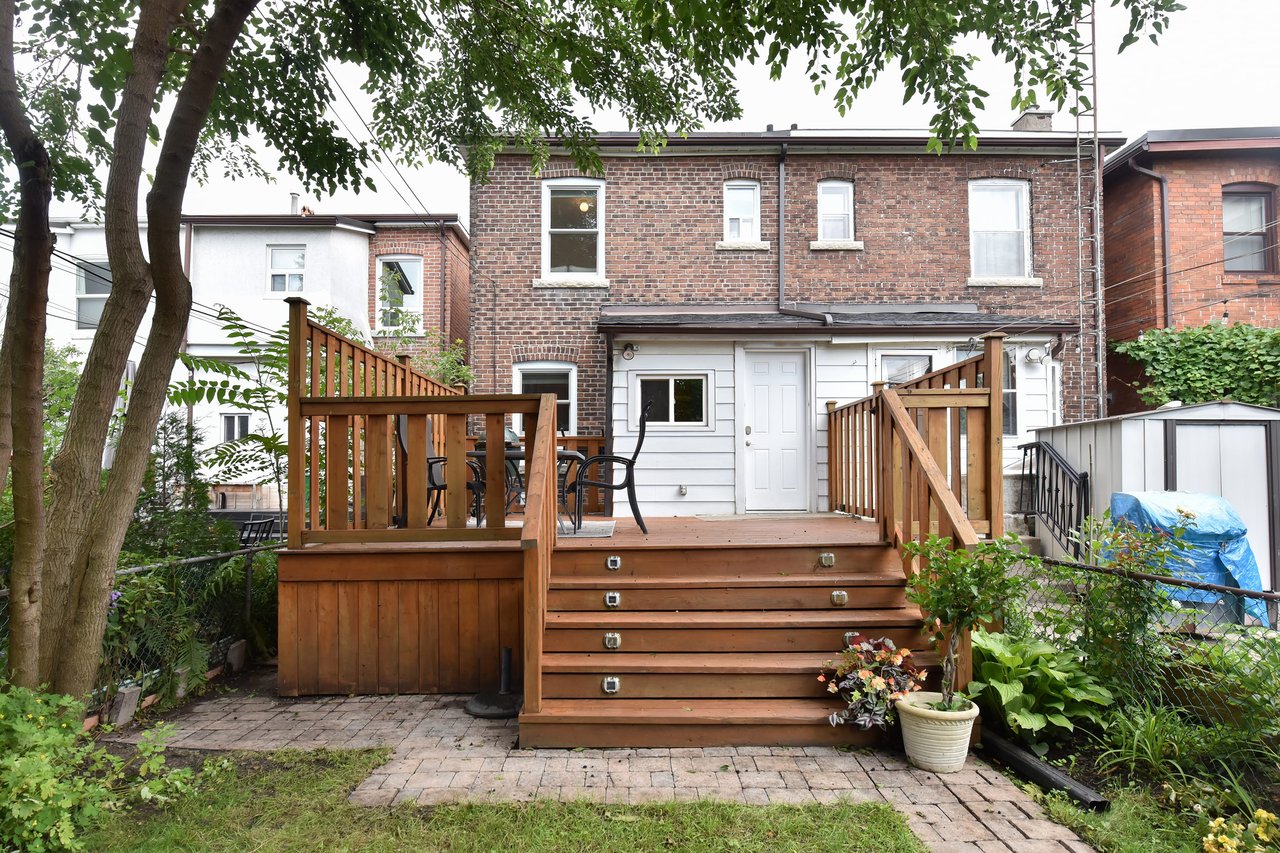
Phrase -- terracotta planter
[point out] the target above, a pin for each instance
(935, 740)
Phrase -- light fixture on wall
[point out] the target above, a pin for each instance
(1036, 355)
(629, 351)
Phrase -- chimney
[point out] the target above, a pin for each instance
(1034, 119)
(293, 203)
(768, 128)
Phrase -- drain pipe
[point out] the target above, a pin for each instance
(782, 248)
(1164, 238)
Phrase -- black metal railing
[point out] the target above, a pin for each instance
(1059, 496)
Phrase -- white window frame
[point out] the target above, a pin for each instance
(708, 421)
(742, 184)
(517, 371)
(1010, 372)
(414, 305)
(934, 355)
(282, 294)
(241, 421)
(598, 186)
(1024, 190)
(847, 186)
(82, 275)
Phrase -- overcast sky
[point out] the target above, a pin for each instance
(1216, 67)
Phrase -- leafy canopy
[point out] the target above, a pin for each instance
(1214, 362)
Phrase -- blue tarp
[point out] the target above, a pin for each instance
(1219, 553)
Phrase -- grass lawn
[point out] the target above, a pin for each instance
(298, 801)
(1134, 823)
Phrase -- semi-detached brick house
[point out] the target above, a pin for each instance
(660, 282)
(1190, 224)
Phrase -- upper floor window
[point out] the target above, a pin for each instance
(234, 427)
(1246, 228)
(287, 266)
(93, 286)
(573, 228)
(999, 229)
(549, 377)
(742, 211)
(835, 210)
(399, 290)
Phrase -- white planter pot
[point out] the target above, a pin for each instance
(935, 740)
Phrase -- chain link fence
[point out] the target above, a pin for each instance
(168, 624)
(1198, 664)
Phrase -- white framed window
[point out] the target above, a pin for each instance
(1000, 228)
(1009, 392)
(742, 212)
(549, 377)
(235, 426)
(286, 269)
(678, 400)
(93, 285)
(573, 228)
(835, 210)
(900, 366)
(399, 289)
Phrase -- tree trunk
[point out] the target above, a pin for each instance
(24, 358)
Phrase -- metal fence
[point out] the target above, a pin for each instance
(170, 623)
(1199, 661)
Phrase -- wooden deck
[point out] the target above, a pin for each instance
(756, 531)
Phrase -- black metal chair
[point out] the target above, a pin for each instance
(582, 479)
(436, 482)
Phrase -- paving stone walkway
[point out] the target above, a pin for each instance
(442, 755)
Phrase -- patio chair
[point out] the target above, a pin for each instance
(437, 484)
(582, 479)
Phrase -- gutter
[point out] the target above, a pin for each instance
(1164, 238)
(782, 248)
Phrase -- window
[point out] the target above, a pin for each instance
(1246, 227)
(93, 285)
(742, 211)
(1009, 392)
(677, 400)
(573, 228)
(234, 427)
(835, 210)
(999, 229)
(399, 290)
(287, 267)
(550, 377)
(897, 369)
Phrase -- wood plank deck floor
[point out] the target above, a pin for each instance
(827, 529)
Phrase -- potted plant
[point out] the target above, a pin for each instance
(870, 677)
(956, 589)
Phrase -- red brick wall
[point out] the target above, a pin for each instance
(446, 277)
(663, 217)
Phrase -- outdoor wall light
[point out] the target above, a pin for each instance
(629, 351)
(1036, 355)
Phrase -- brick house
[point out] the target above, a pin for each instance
(679, 280)
(1190, 235)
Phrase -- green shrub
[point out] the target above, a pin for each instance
(1039, 693)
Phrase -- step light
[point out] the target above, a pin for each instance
(611, 684)
(839, 598)
(613, 562)
(612, 640)
(827, 560)
(613, 599)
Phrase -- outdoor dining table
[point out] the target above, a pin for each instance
(565, 460)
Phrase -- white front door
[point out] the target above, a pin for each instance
(773, 437)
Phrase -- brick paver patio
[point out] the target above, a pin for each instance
(442, 755)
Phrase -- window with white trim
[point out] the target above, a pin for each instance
(835, 210)
(572, 228)
(898, 368)
(1009, 392)
(1000, 228)
(399, 289)
(549, 377)
(234, 426)
(286, 268)
(93, 286)
(742, 211)
(677, 400)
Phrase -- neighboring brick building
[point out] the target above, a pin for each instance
(660, 281)
(1200, 230)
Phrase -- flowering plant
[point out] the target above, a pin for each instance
(870, 676)
(1261, 834)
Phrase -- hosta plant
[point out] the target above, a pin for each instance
(870, 676)
(1040, 693)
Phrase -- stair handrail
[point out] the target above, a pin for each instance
(1061, 496)
(538, 542)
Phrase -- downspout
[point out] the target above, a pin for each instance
(782, 248)
(1164, 238)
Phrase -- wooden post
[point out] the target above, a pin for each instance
(297, 370)
(835, 464)
(993, 370)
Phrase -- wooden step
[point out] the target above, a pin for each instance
(725, 619)
(751, 560)
(787, 592)
(687, 722)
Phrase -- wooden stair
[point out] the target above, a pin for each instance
(708, 646)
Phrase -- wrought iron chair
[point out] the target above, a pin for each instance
(582, 479)
(436, 482)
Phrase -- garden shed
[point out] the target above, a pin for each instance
(1223, 448)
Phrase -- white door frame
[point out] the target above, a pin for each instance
(740, 351)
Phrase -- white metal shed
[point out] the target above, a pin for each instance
(1225, 448)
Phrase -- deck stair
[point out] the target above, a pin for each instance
(706, 646)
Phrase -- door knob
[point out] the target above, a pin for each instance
(748, 444)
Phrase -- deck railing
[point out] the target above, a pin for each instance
(538, 541)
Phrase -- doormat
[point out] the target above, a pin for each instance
(590, 530)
